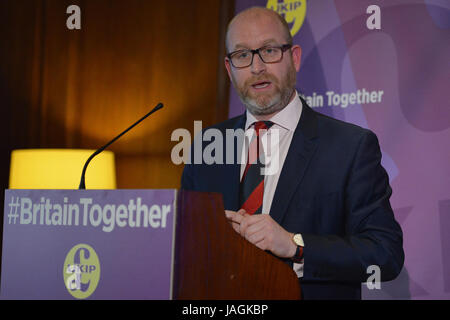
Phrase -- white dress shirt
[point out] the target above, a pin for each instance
(285, 123)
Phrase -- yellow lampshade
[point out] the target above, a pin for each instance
(60, 169)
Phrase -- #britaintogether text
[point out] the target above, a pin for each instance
(134, 214)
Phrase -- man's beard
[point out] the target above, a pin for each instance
(270, 102)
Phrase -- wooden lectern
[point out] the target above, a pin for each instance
(212, 261)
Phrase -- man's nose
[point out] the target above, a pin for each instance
(258, 66)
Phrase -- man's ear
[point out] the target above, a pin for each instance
(228, 67)
(296, 56)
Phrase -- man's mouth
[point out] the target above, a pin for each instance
(261, 85)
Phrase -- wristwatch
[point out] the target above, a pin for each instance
(298, 240)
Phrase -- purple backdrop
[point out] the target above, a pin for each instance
(408, 60)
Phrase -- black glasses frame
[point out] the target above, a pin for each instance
(283, 48)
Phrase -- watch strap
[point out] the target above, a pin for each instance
(298, 256)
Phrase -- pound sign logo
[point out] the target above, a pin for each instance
(81, 271)
(294, 12)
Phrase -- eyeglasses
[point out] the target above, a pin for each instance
(268, 54)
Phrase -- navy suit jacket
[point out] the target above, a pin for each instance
(334, 191)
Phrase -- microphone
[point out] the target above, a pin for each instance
(82, 182)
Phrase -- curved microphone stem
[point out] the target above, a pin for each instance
(82, 181)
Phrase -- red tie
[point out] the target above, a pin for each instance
(252, 183)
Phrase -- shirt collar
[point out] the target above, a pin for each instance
(287, 118)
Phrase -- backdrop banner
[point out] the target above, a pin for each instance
(386, 67)
(96, 244)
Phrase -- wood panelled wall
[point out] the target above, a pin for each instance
(62, 88)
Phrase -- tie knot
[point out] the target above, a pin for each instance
(262, 125)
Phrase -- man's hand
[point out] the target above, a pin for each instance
(235, 218)
(263, 231)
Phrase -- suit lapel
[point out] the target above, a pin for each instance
(301, 150)
(232, 172)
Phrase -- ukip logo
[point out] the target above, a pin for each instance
(81, 271)
(294, 12)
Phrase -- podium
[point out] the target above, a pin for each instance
(212, 261)
(132, 244)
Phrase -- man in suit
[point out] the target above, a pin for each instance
(326, 210)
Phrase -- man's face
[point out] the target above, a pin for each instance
(264, 88)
